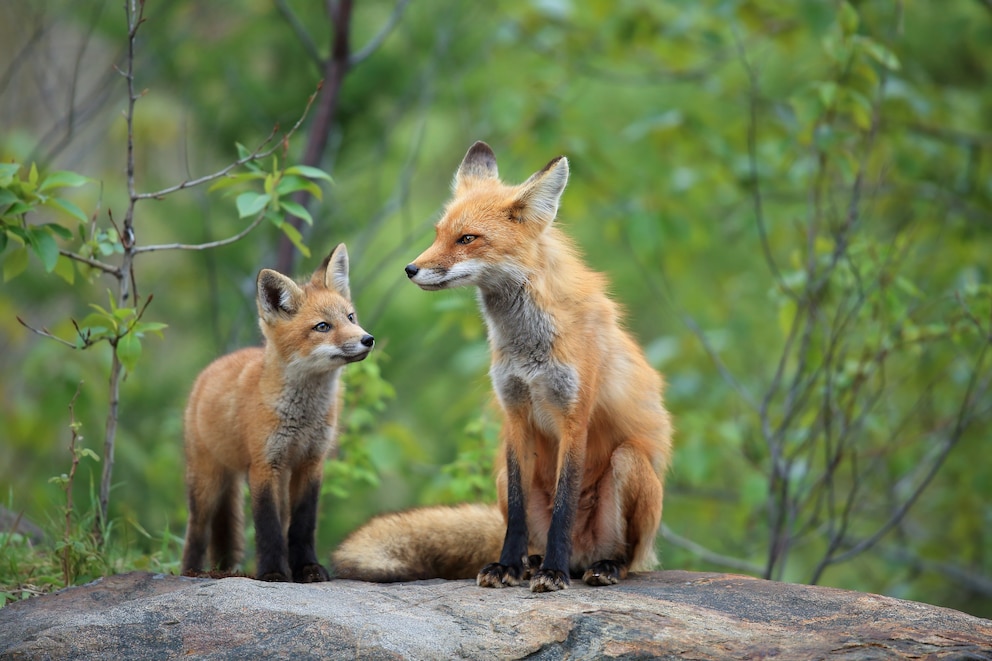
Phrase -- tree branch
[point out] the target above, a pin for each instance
(376, 41)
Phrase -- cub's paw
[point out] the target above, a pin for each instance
(495, 575)
(312, 573)
(605, 572)
(274, 577)
(549, 580)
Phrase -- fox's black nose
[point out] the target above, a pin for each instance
(412, 270)
(367, 340)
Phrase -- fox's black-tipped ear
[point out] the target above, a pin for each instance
(333, 272)
(479, 163)
(277, 295)
(539, 195)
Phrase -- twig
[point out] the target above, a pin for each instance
(707, 555)
(300, 31)
(259, 153)
(44, 332)
(375, 42)
(205, 246)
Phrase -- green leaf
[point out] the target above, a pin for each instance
(7, 197)
(65, 269)
(8, 172)
(250, 203)
(66, 207)
(232, 180)
(295, 238)
(880, 54)
(129, 351)
(15, 263)
(309, 172)
(291, 184)
(297, 210)
(33, 176)
(62, 179)
(149, 327)
(848, 18)
(44, 245)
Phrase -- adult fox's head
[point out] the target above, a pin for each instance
(313, 325)
(487, 234)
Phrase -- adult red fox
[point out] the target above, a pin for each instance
(271, 413)
(585, 440)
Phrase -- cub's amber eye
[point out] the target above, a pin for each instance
(322, 327)
(466, 239)
(351, 317)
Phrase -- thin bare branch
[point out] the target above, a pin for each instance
(89, 261)
(205, 246)
(300, 30)
(260, 152)
(706, 555)
(375, 42)
(44, 332)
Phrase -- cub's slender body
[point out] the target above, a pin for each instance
(270, 414)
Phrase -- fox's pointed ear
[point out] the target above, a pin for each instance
(333, 272)
(539, 196)
(278, 296)
(479, 163)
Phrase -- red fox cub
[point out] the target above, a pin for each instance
(271, 413)
(585, 440)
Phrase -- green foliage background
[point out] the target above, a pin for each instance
(723, 154)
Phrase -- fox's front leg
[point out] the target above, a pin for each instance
(304, 497)
(554, 572)
(511, 566)
(268, 499)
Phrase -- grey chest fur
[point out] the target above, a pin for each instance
(524, 371)
(303, 432)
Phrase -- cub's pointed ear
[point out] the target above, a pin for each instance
(538, 197)
(479, 163)
(278, 296)
(333, 272)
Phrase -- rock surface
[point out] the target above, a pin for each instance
(669, 614)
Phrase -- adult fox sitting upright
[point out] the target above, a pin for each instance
(271, 413)
(585, 438)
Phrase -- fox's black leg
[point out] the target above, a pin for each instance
(270, 544)
(302, 531)
(553, 574)
(510, 568)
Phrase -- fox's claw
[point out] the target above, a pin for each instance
(495, 575)
(549, 580)
(604, 572)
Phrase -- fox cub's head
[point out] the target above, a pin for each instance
(313, 325)
(487, 234)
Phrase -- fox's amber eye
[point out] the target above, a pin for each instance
(322, 327)
(466, 239)
(351, 317)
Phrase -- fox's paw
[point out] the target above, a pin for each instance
(531, 564)
(604, 572)
(274, 577)
(312, 573)
(495, 575)
(549, 580)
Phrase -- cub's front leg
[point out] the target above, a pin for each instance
(267, 498)
(304, 497)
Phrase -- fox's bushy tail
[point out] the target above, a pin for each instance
(430, 542)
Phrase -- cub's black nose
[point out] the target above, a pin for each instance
(412, 270)
(367, 340)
